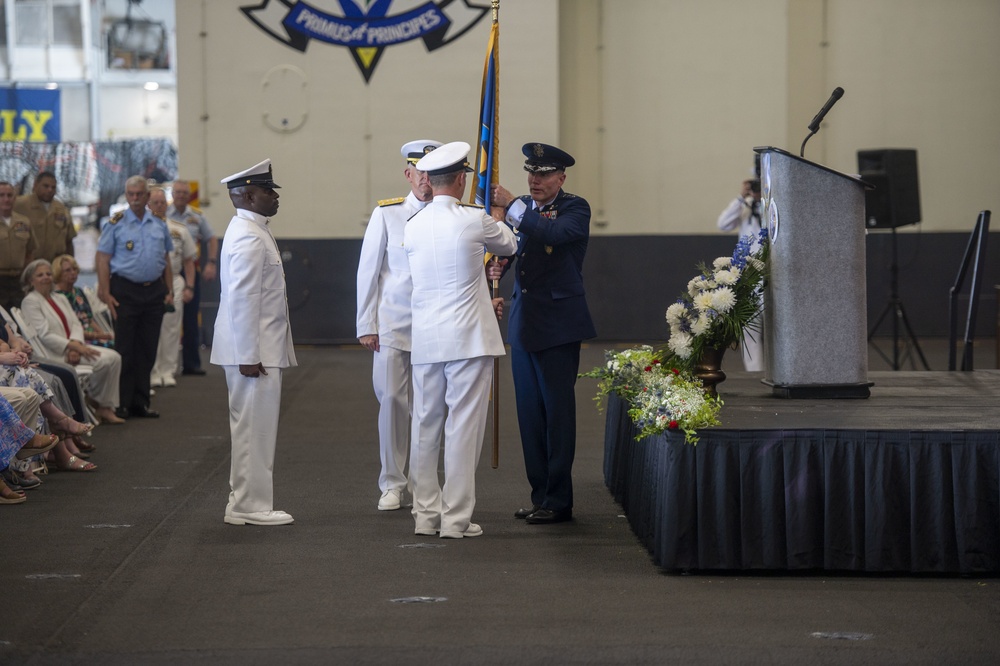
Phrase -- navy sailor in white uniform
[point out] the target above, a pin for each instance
(383, 320)
(253, 344)
(455, 337)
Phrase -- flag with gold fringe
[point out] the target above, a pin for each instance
(488, 154)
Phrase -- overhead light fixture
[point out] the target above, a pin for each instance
(152, 85)
(51, 85)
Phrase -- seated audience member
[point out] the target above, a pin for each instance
(60, 335)
(17, 441)
(65, 272)
(16, 373)
(25, 402)
(60, 376)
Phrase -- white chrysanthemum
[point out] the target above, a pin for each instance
(727, 277)
(680, 344)
(696, 285)
(675, 313)
(723, 299)
(701, 324)
(704, 301)
(722, 262)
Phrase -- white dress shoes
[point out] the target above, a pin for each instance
(390, 500)
(473, 530)
(259, 518)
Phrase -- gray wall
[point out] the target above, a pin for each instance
(632, 279)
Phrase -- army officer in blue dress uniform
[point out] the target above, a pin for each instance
(548, 320)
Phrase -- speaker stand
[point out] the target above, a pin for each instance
(895, 306)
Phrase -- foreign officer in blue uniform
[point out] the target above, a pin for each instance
(133, 271)
(548, 320)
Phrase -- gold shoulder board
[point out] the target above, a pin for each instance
(471, 205)
(391, 202)
(116, 217)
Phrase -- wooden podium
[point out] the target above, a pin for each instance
(815, 300)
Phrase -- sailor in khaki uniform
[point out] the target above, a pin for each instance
(50, 221)
(383, 320)
(17, 245)
(455, 337)
(253, 343)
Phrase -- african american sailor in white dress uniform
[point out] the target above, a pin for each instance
(455, 338)
(253, 343)
(383, 321)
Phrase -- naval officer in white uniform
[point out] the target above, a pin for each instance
(455, 337)
(383, 320)
(253, 343)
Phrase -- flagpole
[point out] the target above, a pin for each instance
(495, 459)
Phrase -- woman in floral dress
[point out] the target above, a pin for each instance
(65, 272)
(16, 372)
(15, 437)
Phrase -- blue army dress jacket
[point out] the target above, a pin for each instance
(549, 306)
(138, 247)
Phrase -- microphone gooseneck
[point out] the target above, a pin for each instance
(838, 92)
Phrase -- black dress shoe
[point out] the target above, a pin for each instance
(193, 371)
(122, 412)
(144, 413)
(524, 513)
(549, 517)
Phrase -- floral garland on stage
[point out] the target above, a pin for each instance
(660, 386)
(720, 304)
(660, 399)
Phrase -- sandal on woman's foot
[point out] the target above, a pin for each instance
(37, 445)
(67, 426)
(8, 496)
(74, 464)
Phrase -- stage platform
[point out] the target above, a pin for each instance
(907, 480)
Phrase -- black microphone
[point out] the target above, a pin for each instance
(837, 94)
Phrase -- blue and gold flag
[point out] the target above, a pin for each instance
(488, 155)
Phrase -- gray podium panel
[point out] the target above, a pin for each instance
(815, 316)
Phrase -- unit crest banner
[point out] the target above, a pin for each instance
(365, 27)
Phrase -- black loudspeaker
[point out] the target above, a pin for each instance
(895, 201)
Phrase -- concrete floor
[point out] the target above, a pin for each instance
(132, 564)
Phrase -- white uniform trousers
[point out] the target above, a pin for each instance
(391, 379)
(168, 350)
(254, 404)
(101, 383)
(452, 399)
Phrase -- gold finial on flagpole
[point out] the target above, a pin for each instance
(496, 11)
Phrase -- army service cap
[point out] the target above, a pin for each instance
(543, 158)
(448, 158)
(259, 175)
(414, 150)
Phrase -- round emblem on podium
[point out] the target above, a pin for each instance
(773, 222)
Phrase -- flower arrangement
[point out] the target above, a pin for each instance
(659, 398)
(720, 305)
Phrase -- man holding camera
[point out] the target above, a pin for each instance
(743, 214)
